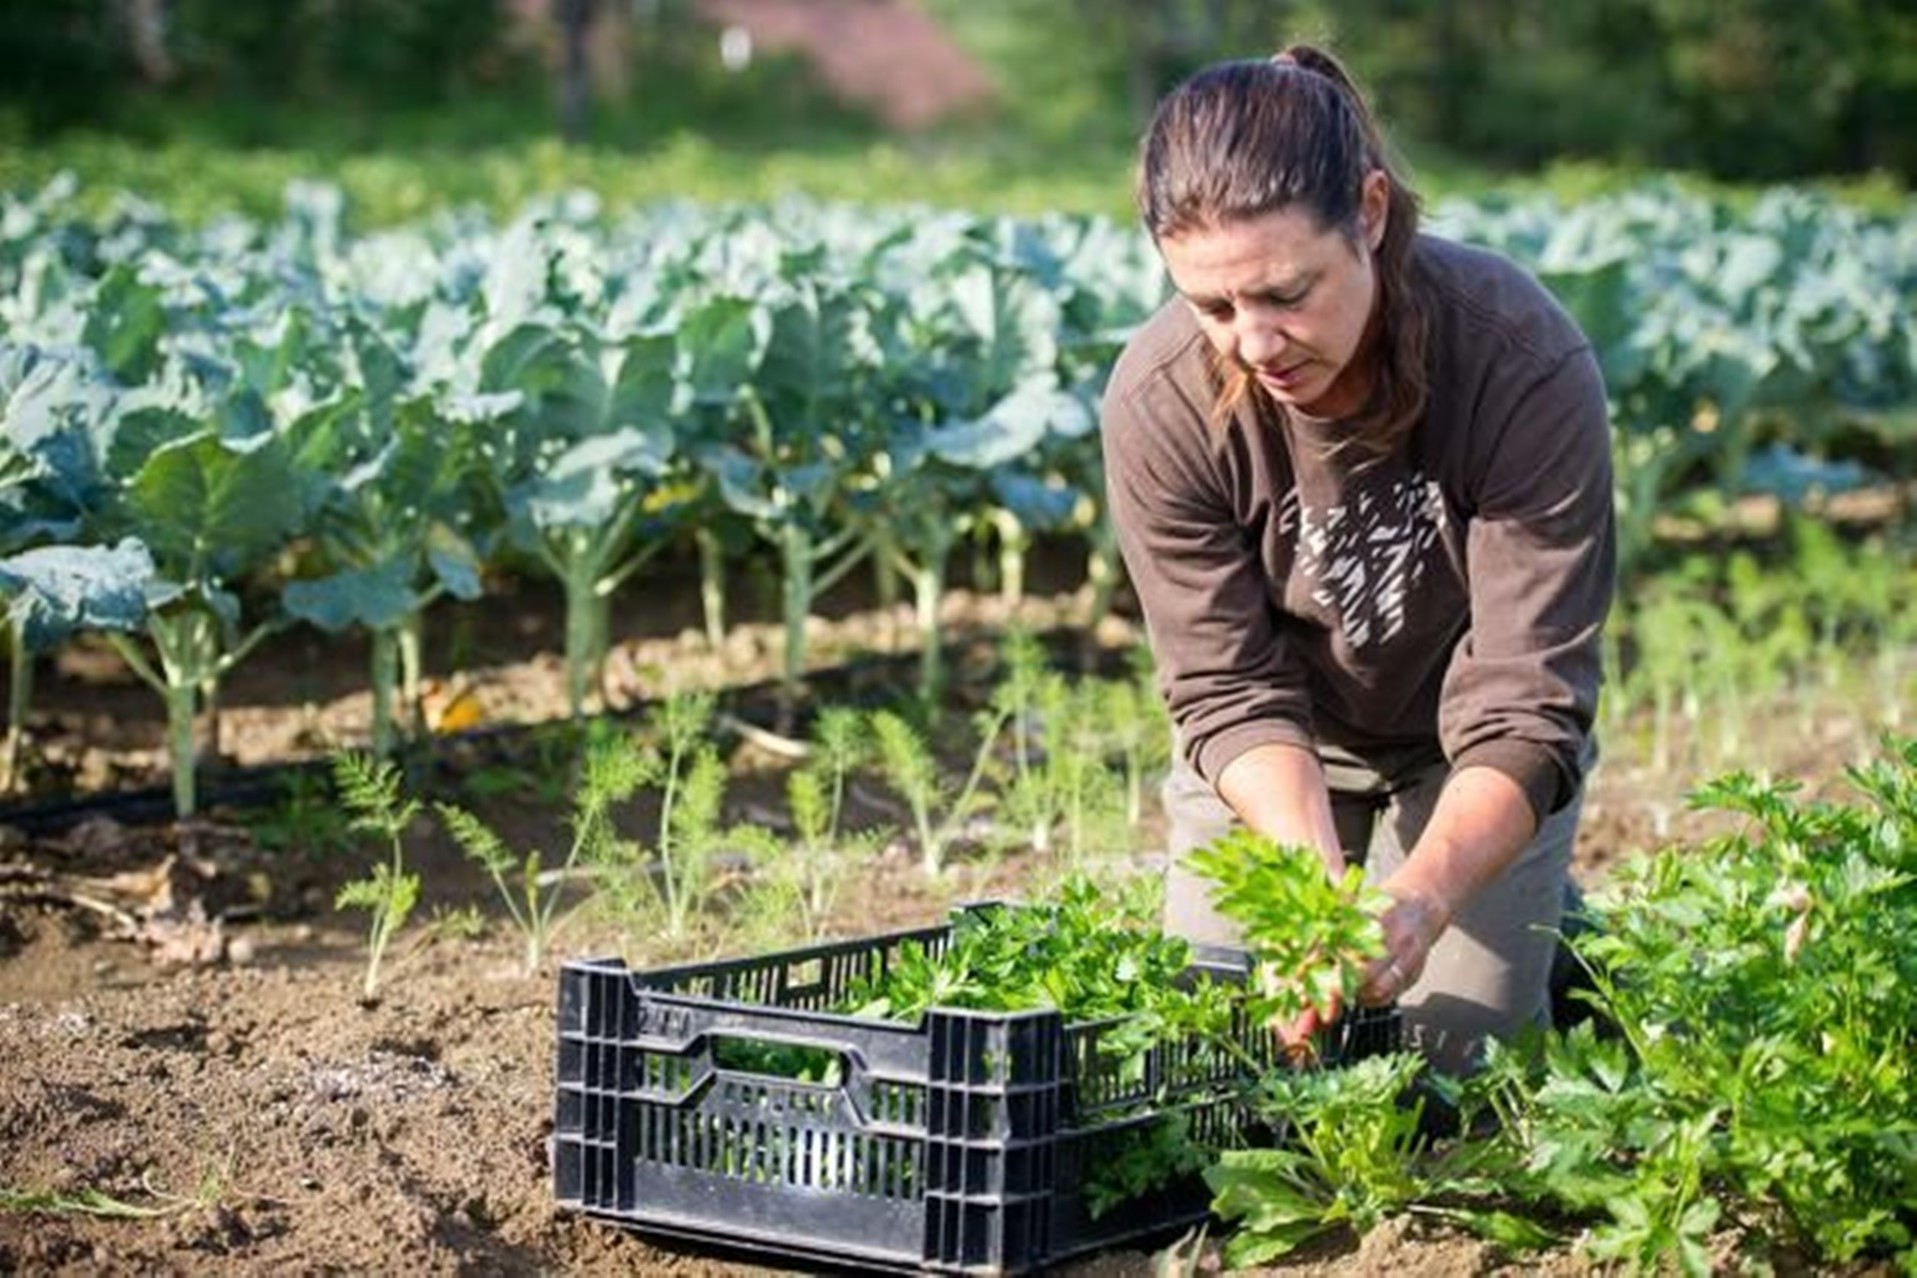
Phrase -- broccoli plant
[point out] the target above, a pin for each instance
(395, 525)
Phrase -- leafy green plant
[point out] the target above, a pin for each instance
(1096, 955)
(614, 769)
(1054, 794)
(392, 527)
(1351, 1155)
(817, 860)
(1766, 992)
(98, 1202)
(1084, 951)
(906, 761)
(370, 789)
(1309, 934)
(671, 889)
(1135, 728)
(805, 433)
(51, 592)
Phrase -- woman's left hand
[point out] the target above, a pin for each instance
(1412, 925)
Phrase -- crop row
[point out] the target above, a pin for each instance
(1735, 1071)
(355, 425)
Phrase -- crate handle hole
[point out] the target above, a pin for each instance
(788, 1062)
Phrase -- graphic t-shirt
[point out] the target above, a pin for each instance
(1453, 592)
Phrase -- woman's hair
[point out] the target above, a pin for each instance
(1242, 139)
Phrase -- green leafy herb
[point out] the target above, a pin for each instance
(370, 789)
(1309, 934)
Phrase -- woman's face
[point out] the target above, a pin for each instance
(1286, 300)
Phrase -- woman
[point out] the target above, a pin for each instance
(1361, 479)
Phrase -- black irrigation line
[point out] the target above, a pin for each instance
(260, 785)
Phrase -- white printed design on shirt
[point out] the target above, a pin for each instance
(1361, 559)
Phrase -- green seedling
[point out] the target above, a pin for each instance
(906, 761)
(97, 1202)
(816, 862)
(370, 789)
(614, 769)
(1353, 1157)
(668, 892)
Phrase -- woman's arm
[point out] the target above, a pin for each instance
(1481, 823)
(1279, 791)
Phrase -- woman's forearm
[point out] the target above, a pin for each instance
(1279, 791)
(1481, 823)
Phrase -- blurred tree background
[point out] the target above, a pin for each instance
(1737, 89)
(1744, 90)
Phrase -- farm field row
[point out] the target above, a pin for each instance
(249, 1022)
(216, 432)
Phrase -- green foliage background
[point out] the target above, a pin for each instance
(1744, 90)
(1738, 89)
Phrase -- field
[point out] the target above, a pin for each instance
(219, 1076)
(486, 496)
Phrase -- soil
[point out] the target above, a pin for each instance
(181, 1027)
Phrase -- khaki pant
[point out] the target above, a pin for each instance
(1488, 975)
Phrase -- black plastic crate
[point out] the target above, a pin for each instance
(960, 1144)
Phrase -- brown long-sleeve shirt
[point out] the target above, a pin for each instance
(1454, 592)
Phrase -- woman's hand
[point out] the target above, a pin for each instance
(1412, 925)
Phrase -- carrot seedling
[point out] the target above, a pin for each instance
(370, 790)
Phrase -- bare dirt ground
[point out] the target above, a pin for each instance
(220, 1078)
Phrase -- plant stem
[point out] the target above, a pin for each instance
(674, 906)
(1013, 543)
(19, 693)
(795, 595)
(385, 675)
(1101, 571)
(412, 645)
(180, 700)
(885, 582)
(928, 588)
(587, 621)
(712, 586)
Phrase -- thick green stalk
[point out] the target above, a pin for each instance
(412, 646)
(796, 559)
(712, 586)
(209, 712)
(588, 622)
(1014, 541)
(176, 692)
(19, 693)
(928, 587)
(385, 676)
(885, 582)
(192, 663)
(180, 704)
(1101, 571)
(188, 644)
